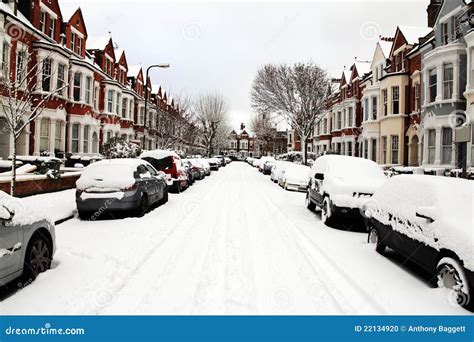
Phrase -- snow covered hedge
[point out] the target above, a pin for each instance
(120, 148)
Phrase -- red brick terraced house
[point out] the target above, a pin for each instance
(97, 95)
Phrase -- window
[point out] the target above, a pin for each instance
(88, 89)
(374, 150)
(75, 138)
(350, 118)
(61, 80)
(447, 147)
(117, 104)
(325, 126)
(79, 46)
(456, 31)
(77, 87)
(43, 21)
(472, 145)
(95, 143)
(385, 102)
(445, 33)
(96, 98)
(432, 85)
(52, 26)
(416, 90)
(85, 140)
(109, 136)
(394, 149)
(349, 148)
(366, 110)
(44, 135)
(5, 58)
(339, 118)
(366, 149)
(395, 100)
(384, 150)
(431, 146)
(124, 108)
(58, 134)
(141, 120)
(447, 81)
(46, 75)
(374, 108)
(21, 60)
(110, 101)
(73, 41)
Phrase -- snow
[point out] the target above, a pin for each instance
(110, 173)
(386, 47)
(116, 195)
(134, 70)
(297, 174)
(8, 163)
(345, 176)
(24, 169)
(55, 206)
(234, 243)
(449, 200)
(24, 214)
(97, 42)
(413, 33)
(159, 154)
(362, 68)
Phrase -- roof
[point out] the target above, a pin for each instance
(347, 75)
(362, 68)
(386, 47)
(97, 42)
(413, 33)
(68, 11)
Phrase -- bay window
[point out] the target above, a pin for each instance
(88, 89)
(58, 133)
(394, 148)
(85, 140)
(124, 108)
(350, 117)
(44, 135)
(432, 85)
(447, 145)
(447, 81)
(385, 102)
(21, 61)
(61, 79)
(75, 138)
(117, 104)
(395, 100)
(110, 101)
(77, 86)
(374, 108)
(431, 146)
(46, 74)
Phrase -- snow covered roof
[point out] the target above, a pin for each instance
(347, 75)
(413, 33)
(97, 42)
(386, 47)
(155, 88)
(362, 68)
(134, 70)
(68, 11)
(159, 154)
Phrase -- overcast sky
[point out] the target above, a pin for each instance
(219, 46)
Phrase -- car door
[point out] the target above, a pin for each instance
(155, 184)
(143, 178)
(11, 246)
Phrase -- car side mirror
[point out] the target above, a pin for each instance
(6, 214)
(427, 213)
(319, 176)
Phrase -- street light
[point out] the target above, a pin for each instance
(163, 66)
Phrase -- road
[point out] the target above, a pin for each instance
(234, 243)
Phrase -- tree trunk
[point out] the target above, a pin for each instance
(304, 150)
(13, 181)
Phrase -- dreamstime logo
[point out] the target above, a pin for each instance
(13, 205)
(370, 30)
(458, 298)
(103, 298)
(282, 298)
(191, 207)
(14, 32)
(457, 118)
(191, 31)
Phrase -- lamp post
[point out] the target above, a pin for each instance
(163, 66)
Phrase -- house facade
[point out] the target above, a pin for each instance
(95, 94)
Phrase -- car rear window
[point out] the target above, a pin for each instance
(161, 164)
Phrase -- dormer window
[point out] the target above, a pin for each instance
(43, 21)
(445, 33)
(73, 41)
(79, 46)
(52, 26)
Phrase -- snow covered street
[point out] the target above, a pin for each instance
(234, 243)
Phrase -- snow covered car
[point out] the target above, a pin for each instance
(213, 163)
(295, 177)
(192, 174)
(169, 163)
(197, 168)
(27, 241)
(277, 170)
(429, 221)
(268, 166)
(227, 160)
(204, 163)
(119, 185)
(340, 185)
(262, 161)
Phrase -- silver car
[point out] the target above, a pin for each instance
(117, 185)
(27, 241)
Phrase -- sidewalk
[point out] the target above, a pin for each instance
(59, 206)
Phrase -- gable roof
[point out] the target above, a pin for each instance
(361, 68)
(78, 14)
(413, 33)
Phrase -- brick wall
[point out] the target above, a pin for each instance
(39, 186)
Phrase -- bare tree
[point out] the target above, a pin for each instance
(297, 93)
(21, 97)
(213, 120)
(264, 129)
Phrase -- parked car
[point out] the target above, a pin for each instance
(169, 163)
(205, 164)
(268, 166)
(277, 170)
(227, 160)
(295, 177)
(213, 163)
(27, 241)
(192, 175)
(117, 185)
(340, 185)
(262, 161)
(221, 160)
(197, 169)
(428, 220)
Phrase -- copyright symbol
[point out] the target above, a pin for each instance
(403, 328)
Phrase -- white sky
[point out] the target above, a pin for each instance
(218, 46)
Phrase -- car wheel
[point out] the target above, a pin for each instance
(38, 257)
(165, 197)
(326, 211)
(374, 238)
(310, 205)
(142, 207)
(451, 276)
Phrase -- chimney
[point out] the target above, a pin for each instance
(432, 11)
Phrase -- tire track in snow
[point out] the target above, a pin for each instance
(326, 280)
